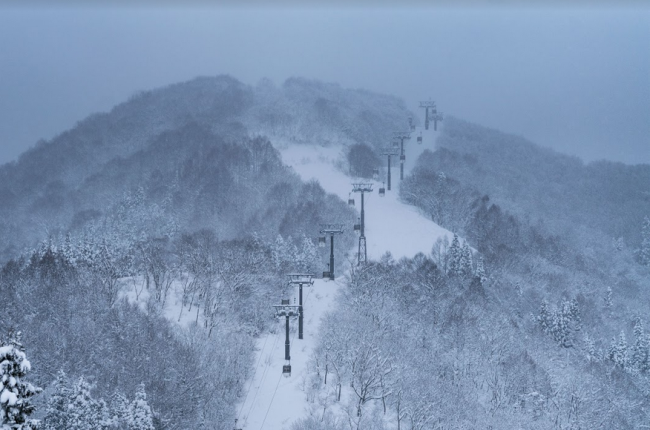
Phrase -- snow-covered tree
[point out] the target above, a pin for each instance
(119, 410)
(480, 271)
(84, 412)
(466, 265)
(140, 415)
(15, 393)
(608, 299)
(639, 359)
(57, 404)
(644, 252)
(454, 257)
(618, 351)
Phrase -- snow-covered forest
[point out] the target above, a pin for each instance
(507, 285)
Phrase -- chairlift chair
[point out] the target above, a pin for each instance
(326, 275)
(286, 370)
(322, 241)
(357, 227)
(382, 192)
(350, 200)
(402, 158)
(420, 138)
(375, 174)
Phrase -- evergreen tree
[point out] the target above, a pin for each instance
(639, 359)
(480, 271)
(608, 299)
(454, 256)
(618, 351)
(466, 265)
(309, 254)
(15, 405)
(140, 415)
(119, 410)
(57, 404)
(644, 252)
(544, 317)
(84, 413)
(279, 252)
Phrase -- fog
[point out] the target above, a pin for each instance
(573, 79)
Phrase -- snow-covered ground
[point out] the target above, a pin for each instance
(389, 224)
(272, 401)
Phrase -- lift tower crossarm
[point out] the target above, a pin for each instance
(429, 104)
(285, 309)
(301, 279)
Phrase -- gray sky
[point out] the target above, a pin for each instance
(575, 79)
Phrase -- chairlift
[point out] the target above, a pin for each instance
(286, 370)
(326, 275)
(350, 200)
(382, 192)
(357, 227)
(375, 174)
(322, 241)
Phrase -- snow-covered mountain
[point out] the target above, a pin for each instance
(146, 247)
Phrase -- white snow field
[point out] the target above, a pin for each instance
(271, 400)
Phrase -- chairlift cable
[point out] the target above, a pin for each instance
(252, 378)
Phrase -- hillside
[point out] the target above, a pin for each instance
(143, 250)
(554, 189)
(191, 148)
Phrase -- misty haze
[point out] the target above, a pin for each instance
(324, 217)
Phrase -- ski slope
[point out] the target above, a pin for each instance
(271, 400)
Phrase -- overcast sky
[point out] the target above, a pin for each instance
(575, 79)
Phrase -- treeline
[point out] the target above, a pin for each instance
(581, 293)
(194, 147)
(69, 300)
(544, 186)
(414, 346)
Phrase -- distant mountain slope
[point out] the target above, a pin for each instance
(192, 147)
(542, 184)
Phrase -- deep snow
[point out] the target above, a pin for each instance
(272, 401)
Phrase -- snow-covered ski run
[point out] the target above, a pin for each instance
(270, 400)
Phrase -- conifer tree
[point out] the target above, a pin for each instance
(15, 393)
(140, 415)
(119, 410)
(480, 271)
(57, 404)
(644, 252)
(83, 411)
(618, 351)
(454, 256)
(608, 299)
(544, 317)
(466, 265)
(639, 359)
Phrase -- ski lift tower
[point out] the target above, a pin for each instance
(430, 104)
(362, 188)
(401, 136)
(437, 116)
(390, 152)
(301, 279)
(330, 229)
(287, 310)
